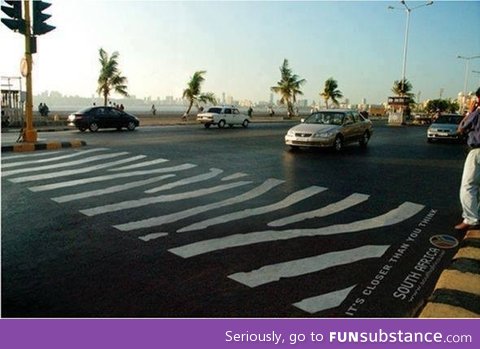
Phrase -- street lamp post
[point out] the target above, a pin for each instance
(465, 80)
(477, 72)
(407, 10)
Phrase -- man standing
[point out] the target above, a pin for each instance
(470, 186)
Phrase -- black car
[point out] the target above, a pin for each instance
(95, 118)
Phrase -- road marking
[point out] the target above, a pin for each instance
(160, 199)
(109, 190)
(401, 213)
(141, 164)
(203, 177)
(234, 176)
(325, 301)
(64, 164)
(336, 207)
(152, 236)
(86, 180)
(25, 155)
(157, 221)
(308, 265)
(74, 171)
(57, 158)
(250, 212)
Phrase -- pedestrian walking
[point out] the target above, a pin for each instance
(470, 185)
(154, 110)
(250, 111)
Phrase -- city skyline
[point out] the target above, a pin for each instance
(241, 45)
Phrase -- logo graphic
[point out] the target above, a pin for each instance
(444, 241)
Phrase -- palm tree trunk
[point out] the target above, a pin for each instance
(185, 116)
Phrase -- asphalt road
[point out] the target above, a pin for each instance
(181, 221)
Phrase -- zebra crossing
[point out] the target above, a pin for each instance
(90, 181)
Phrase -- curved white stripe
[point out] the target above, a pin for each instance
(401, 213)
(336, 207)
(141, 164)
(158, 199)
(275, 272)
(203, 177)
(324, 301)
(57, 158)
(288, 201)
(156, 221)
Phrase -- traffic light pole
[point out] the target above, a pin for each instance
(29, 132)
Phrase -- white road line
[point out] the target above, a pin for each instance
(336, 207)
(203, 177)
(95, 179)
(141, 164)
(325, 301)
(401, 213)
(159, 199)
(157, 221)
(234, 176)
(308, 265)
(57, 158)
(34, 154)
(74, 171)
(109, 190)
(250, 212)
(64, 164)
(152, 236)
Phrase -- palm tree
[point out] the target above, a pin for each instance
(288, 87)
(331, 92)
(110, 79)
(402, 88)
(193, 94)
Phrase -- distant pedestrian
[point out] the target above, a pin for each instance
(121, 107)
(250, 111)
(154, 110)
(271, 112)
(470, 186)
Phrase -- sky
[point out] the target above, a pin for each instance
(242, 44)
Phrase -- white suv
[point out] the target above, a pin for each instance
(223, 115)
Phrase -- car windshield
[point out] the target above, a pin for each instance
(215, 110)
(448, 119)
(326, 118)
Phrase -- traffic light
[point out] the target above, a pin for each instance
(15, 22)
(39, 26)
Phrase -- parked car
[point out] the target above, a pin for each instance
(94, 118)
(330, 128)
(445, 127)
(223, 115)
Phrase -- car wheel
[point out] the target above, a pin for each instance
(365, 138)
(131, 126)
(82, 129)
(221, 124)
(429, 140)
(93, 127)
(207, 125)
(245, 123)
(338, 144)
(119, 128)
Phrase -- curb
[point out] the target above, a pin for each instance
(457, 292)
(24, 147)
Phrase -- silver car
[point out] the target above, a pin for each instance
(445, 127)
(330, 128)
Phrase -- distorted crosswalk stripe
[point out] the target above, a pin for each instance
(102, 172)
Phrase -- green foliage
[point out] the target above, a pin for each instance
(402, 88)
(331, 92)
(288, 87)
(110, 79)
(442, 105)
(193, 91)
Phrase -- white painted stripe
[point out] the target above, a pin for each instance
(325, 301)
(159, 199)
(141, 164)
(303, 266)
(29, 155)
(401, 213)
(152, 236)
(57, 158)
(64, 164)
(109, 190)
(157, 221)
(234, 176)
(73, 172)
(250, 212)
(203, 177)
(95, 179)
(336, 207)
